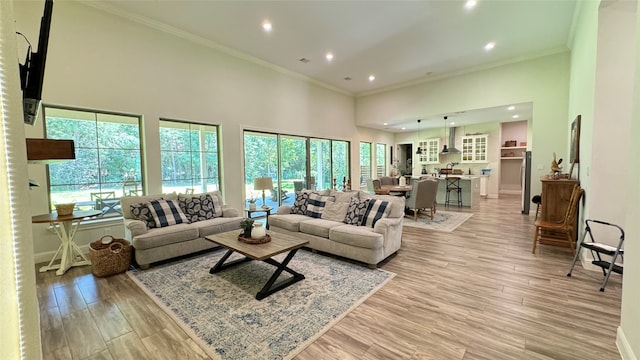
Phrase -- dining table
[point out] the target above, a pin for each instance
(403, 189)
(65, 227)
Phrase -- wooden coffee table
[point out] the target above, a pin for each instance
(279, 243)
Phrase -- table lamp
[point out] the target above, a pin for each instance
(263, 183)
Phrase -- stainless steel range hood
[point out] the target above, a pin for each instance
(451, 149)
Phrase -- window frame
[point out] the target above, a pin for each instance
(113, 211)
(201, 181)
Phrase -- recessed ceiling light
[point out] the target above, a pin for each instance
(490, 46)
(403, 128)
(385, 124)
(515, 116)
(371, 77)
(452, 123)
(266, 26)
(470, 4)
(329, 56)
(511, 108)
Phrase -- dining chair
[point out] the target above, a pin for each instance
(561, 232)
(423, 198)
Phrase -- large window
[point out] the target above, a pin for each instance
(293, 163)
(108, 158)
(365, 163)
(340, 160)
(381, 160)
(189, 157)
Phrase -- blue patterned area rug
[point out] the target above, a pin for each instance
(446, 221)
(221, 314)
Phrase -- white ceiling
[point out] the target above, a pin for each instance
(397, 41)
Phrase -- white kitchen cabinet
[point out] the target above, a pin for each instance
(430, 151)
(474, 149)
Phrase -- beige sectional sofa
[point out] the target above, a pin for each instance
(153, 243)
(339, 234)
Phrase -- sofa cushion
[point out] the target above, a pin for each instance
(316, 204)
(198, 207)
(216, 196)
(360, 236)
(166, 212)
(289, 222)
(343, 196)
(318, 227)
(376, 210)
(335, 211)
(356, 211)
(165, 236)
(218, 225)
(140, 211)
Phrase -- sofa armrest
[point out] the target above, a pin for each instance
(228, 211)
(133, 228)
(383, 224)
(284, 210)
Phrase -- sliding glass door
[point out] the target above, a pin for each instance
(293, 163)
(320, 168)
(260, 160)
(293, 167)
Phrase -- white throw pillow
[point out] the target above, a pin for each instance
(335, 211)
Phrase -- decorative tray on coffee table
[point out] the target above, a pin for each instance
(262, 240)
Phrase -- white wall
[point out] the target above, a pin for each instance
(97, 60)
(544, 81)
(20, 328)
(612, 115)
(603, 77)
(629, 332)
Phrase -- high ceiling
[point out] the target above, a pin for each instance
(399, 42)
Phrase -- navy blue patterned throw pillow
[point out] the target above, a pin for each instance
(141, 212)
(300, 204)
(376, 210)
(356, 211)
(316, 204)
(166, 213)
(198, 208)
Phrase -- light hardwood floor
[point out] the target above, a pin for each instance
(475, 293)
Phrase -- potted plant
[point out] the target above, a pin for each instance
(252, 203)
(246, 225)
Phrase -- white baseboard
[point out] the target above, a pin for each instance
(492, 196)
(626, 353)
(45, 257)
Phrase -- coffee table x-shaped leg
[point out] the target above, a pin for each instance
(270, 287)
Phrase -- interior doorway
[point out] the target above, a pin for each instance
(405, 159)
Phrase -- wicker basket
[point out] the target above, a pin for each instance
(109, 256)
(65, 209)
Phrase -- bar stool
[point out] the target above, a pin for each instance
(453, 184)
(537, 199)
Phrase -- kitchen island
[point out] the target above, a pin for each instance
(470, 185)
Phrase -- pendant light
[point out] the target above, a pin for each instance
(444, 149)
(419, 151)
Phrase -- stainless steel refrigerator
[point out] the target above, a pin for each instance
(525, 180)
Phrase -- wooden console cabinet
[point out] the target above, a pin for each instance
(555, 200)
